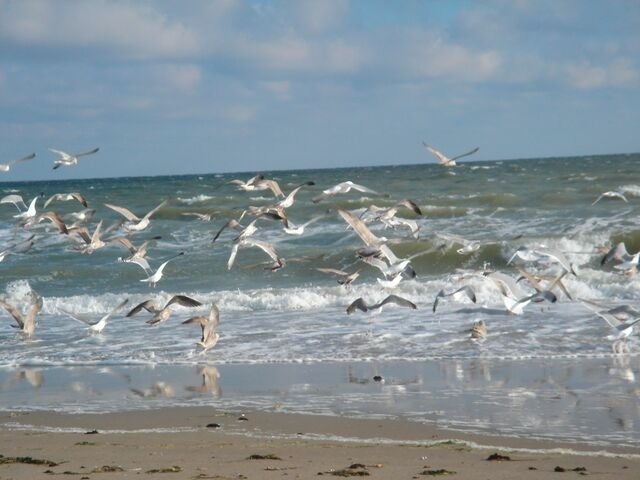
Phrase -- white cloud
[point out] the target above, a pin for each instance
(181, 77)
(130, 30)
(586, 75)
(318, 16)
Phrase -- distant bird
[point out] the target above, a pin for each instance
(96, 327)
(136, 254)
(209, 325)
(65, 197)
(5, 167)
(204, 217)
(514, 298)
(457, 295)
(135, 223)
(92, 242)
(292, 229)
(156, 276)
(25, 322)
(610, 194)
(343, 187)
(443, 159)
(259, 183)
(68, 160)
(360, 304)
(245, 232)
(345, 278)
(162, 314)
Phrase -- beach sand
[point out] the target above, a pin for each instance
(203, 442)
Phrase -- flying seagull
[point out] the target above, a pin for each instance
(361, 305)
(457, 295)
(27, 322)
(96, 327)
(343, 187)
(443, 159)
(68, 160)
(610, 194)
(162, 314)
(155, 277)
(5, 167)
(209, 325)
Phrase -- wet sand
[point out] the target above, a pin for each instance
(204, 442)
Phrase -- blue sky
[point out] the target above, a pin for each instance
(169, 87)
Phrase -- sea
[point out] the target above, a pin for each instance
(286, 340)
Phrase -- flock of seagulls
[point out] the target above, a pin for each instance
(375, 252)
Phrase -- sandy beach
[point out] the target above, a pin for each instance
(203, 442)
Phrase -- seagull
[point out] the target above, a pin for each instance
(203, 217)
(96, 327)
(55, 219)
(65, 197)
(514, 298)
(91, 242)
(135, 223)
(259, 183)
(360, 304)
(443, 159)
(346, 278)
(162, 314)
(343, 187)
(292, 229)
(157, 275)
(68, 160)
(19, 247)
(245, 232)
(17, 200)
(535, 254)
(457, 295)
(266, 247)
(209, 325)
(622, 319)
(479, 330)
(82, 216)
(137, 254)
(5, 167)
(29, 213)
(289, 199)
(619, 252)
(249, 185)
(27, 322)
(610, 194)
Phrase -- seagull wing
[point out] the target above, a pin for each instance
(359, 304)
(126, 213)
(184, 301)
(148, 305)
(82, 154)
(470, 152)
(403, 302)
(14, 312)
(442, 158)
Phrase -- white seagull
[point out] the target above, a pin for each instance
(5, 167)
(135, 223)
(157, 275)
(610, 194)
(96, 327)
(343, 187)
(443, 159)
(361, 305)
(68, 160)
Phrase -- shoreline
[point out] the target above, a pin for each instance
(205, 442)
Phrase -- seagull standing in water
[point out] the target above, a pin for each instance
(443, 159)
(5, 167)
(68, 160)
(209, 325)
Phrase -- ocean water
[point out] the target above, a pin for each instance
(296, 315)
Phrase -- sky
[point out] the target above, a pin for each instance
(196, 87)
